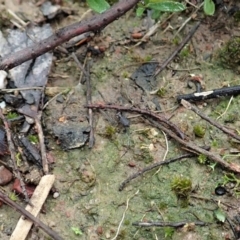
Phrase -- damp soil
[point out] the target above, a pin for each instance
(88, 179)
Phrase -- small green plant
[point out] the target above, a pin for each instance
(219, 215)
(98, 6)
(202, 159)
(19, 159)
(169, 231)
(13, 196)
(159, 6)
(209, 7)
(33, 139)
(12, 115)
(76, 230)
(161, 92)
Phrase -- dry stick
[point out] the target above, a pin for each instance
(141, 111)
(186, 143)
(13, 155)
(189, 106)
(95, 24)
(4, 198)
(79, 64)
(193, 147)
(169, 224)
(148, 168)
(178, 49)
(38, 125)
(38, 199)
(89, 101)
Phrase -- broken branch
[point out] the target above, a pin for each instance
(95, 24)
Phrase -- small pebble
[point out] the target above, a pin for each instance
(5, 176)
(56, 195)
(220, 191)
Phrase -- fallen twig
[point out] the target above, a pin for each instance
(178, 49)
(89, 101)
(95, 24)
(38, 198)
(145, 112)
(215, 93)
(186, 143)
(191, 146)
(169, 224)
(148, 168)
(189, 106)
(13, 155)
(4, 198)
(38, 125)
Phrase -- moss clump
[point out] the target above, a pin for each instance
(199, 130)
(182, 186)
(110, 132)
(229, 55)
(161, 92)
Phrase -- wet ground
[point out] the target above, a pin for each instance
(90, 206)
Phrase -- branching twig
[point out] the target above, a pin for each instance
(189, 106)
(95, 24)
(186, 143)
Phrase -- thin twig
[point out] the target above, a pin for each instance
(149, 168)
(4, 198)
(186, 143)
(169, 224)
(89, 101)
(13, 155)
(186, 21)
(193, 147)
(38, 125)
(178, 49)
(158, 117)
(189, 106)
(95, 24)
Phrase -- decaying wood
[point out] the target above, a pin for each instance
(38, 198)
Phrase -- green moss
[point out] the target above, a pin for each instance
(182, 186)
(161, 92)
(199, 130)
(33, 139)
(110, 132)
(229, 54)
